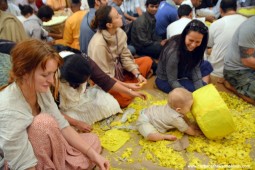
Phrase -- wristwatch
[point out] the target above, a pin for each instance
(137, 75)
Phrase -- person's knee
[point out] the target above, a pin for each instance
(206, 68)
(44, 121)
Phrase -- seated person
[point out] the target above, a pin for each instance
(82, 105)
(239, 61)
(143, 35)
(34, 134)
(165, 15)
(13, 8)
(154, 121)
(10, 27)
(72, 26)
(126, 25)
(56, 5)
(108, 48)
(181, 62)
(28, 2)
(33, 23)
(185, 16)
(86, 32)
(209, 8)
(221, 32)
(194, 4)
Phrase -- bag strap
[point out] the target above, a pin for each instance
(118, 58)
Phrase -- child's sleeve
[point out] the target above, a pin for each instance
(180, 124)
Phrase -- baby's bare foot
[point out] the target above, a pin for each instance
(170, 137)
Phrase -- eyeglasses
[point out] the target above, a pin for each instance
(198, 27)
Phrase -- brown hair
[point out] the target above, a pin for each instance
(178, 97)
(29, 54)
(102, 17)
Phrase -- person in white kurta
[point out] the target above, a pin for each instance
(14, 120)
(185, 15)
(221, 33)
(33, 132)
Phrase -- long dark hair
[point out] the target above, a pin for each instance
(75, 70)
(193, 58)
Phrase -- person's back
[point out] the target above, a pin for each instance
(246, 34)
(72, 26)
(11, 28)
(13, 9)
(86, 32)
(165, 15)
(239, 67)
(185, 15)
(27, 2)
(56, 5)
(33, 27)
(221, 33)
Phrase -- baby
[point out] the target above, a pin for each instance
(156, 120)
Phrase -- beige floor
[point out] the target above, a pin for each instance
(115, 157)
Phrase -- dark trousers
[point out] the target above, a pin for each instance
(152, 50)
(184, 78)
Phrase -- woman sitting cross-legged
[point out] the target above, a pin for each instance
(181, 61)
(33, 132)
(108, 48)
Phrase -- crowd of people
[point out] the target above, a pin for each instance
(52, 82)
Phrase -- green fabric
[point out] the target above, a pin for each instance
(5, 66)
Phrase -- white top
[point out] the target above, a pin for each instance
(188, 2)
(130, 6)
(84, 5)
(21, 18)
(15, 118)
(164, 118)
(13, 9)
(220, 36)
(87, 105)
(177, 27)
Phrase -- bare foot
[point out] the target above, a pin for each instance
(170, 137)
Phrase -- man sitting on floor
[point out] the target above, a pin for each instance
(239, 61)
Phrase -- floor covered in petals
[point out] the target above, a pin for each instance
(235, 151)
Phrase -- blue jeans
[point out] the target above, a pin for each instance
(184, 78)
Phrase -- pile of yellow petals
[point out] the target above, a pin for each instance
(231, 152)
(247, 11)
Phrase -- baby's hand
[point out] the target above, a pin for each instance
(198, 132)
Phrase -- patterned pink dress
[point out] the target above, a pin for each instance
(52, 150)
